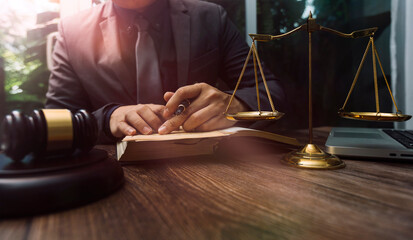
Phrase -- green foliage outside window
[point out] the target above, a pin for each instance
(26, 74)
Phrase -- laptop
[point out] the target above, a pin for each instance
(370, 143)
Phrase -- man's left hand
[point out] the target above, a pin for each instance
(205, 113)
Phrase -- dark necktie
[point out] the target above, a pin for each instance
(149, 83)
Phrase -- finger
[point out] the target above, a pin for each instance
(138, 123)
(186, 92)
(215, 123)
(167, 96)
(124, 129)
(172, 124)
(149, 116)
(158, 110)
(175, 122)
(199, 117)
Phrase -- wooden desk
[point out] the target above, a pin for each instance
(250, 196)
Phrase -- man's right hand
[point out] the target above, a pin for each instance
(133, 119)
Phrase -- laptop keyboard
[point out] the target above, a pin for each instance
(404, 137)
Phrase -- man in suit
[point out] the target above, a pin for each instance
(196, 44)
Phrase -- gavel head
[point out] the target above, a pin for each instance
(48, 132)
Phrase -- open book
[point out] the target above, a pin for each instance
(181, 143)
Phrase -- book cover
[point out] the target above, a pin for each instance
(182, 144)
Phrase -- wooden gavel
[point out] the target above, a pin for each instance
(48, 132)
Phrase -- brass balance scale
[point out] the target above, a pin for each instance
(311, 156)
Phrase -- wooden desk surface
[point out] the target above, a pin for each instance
(249, 196)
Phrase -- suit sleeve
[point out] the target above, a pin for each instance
(234, 52)
(66, 91)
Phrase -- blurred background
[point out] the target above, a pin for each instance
(26, 24)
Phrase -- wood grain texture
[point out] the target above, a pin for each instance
(248, 194)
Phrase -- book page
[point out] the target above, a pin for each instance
(175, 135)
(248, 132)
(235, 131)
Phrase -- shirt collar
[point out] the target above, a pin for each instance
(153, 13)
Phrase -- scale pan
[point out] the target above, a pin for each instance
(375, 116)
(255, 115)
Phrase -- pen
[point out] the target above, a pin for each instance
(182, 106)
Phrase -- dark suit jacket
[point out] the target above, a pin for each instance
(89, 72)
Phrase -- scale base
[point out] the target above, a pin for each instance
(311, 156)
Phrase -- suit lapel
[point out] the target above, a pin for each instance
(181, 32)
(112, 52)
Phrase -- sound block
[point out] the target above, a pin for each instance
(32, 186)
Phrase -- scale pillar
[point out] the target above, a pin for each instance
(311, 156)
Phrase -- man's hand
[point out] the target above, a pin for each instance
(142, 118)
(205, 113)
